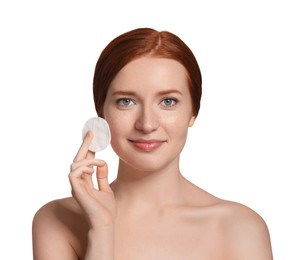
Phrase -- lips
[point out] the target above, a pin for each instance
(147, 145)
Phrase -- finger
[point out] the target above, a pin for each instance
(102, 178)
(90, 154)
(86, 162)
(76, 177)
(78, 172)
(87, 180)
(81, 185)
(83, 150)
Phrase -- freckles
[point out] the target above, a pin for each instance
(174, 120)
(169, 117)
(115, 127)
(118, 123)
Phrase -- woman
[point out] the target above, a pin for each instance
(147, 86)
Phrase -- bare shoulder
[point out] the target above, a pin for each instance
(240, 219)
(58, 210)
(244, 232)
(59, 226)
(232, 228)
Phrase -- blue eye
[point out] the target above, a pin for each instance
(125, 102)
(169, 102)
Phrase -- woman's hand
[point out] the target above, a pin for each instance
(98, 204)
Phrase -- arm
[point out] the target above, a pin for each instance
(97, 238)
(61, 231)
(56, 231)
(51, 237)
(97, 204)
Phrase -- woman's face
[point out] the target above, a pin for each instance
(149, 109)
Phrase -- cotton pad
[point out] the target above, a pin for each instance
(101, 132)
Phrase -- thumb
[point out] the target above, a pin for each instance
(102, 178)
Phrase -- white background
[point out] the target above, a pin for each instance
(248, 144)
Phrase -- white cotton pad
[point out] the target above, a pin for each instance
(101, 132)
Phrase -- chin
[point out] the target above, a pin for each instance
(149, 163)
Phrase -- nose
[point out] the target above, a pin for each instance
(147, 121)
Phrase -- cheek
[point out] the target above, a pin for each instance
(119, 125)
(176, 125)
(177, 118)
(117, 131)
(115, 128)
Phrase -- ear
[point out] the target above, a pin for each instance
(191, 121)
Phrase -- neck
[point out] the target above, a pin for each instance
(148, 188)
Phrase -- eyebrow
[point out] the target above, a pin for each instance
(160, 93)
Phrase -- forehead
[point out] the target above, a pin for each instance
(151, 72)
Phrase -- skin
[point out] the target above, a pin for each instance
(150, 211)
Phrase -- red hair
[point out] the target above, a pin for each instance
(144, 42)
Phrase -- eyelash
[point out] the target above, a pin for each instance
(121, 100)
(172, 100)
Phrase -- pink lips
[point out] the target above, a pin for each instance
(147, 145)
